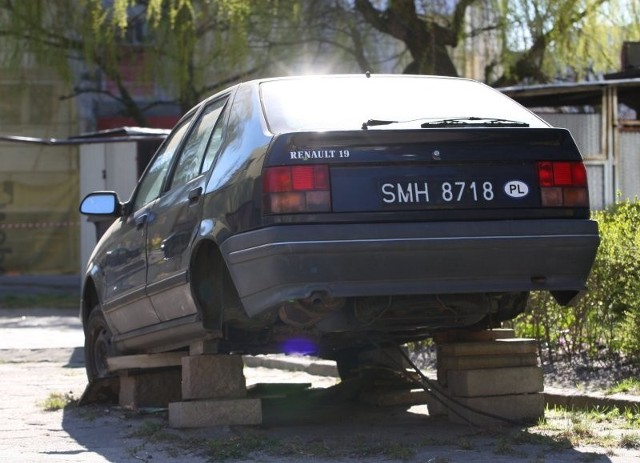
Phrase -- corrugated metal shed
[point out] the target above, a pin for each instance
(603, 118)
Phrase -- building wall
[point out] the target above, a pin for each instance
(629, 164)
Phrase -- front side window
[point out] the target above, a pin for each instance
(153, 178)
(190, 164)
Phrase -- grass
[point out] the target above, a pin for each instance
(576, 428)
(58, 401)
(626, 386)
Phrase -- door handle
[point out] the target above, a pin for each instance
(140, 221)
(195, 194)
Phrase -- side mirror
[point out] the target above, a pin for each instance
(104, 203)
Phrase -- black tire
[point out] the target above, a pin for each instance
(97, 346)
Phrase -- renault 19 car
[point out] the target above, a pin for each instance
(326, 214)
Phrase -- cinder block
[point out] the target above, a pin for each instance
(215, 412)
(149, 389)
(474, 362)
(518, 408)
(213, 376)
(512, 346)
(494, 381)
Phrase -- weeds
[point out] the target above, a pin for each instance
(630, 441)
(626, 386)
(58, 401)
(573, 428)
(240, 447)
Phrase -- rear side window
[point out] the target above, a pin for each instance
(153, 178)
(199, 143)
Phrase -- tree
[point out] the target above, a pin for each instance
(423, 34)
(185, 50)
(169, 43)
(535, 41)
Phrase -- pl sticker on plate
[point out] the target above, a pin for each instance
(516, 189)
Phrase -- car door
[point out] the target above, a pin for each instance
(177, 217)
(125, 301)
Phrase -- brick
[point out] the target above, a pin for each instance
(213, 376)
(150, 389)
(519, 408)
(215, 412)
(494, 381)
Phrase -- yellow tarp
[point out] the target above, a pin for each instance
(39, 219)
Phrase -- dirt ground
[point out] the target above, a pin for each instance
(313, 425)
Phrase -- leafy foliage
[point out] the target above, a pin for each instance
(191, 48)
(605, 323)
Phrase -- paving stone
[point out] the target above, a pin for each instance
(494, 381)
(215, 412)
(213, 376)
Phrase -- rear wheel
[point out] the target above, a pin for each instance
(98, 346)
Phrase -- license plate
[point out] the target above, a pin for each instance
(454, 192)
(434, 187)
(480, 187)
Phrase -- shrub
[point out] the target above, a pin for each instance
(606, 321)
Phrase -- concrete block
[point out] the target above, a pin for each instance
(203, 347)
(213, 376)
(215, 412)
(512, 346)
(382, 398)
(519, 408)
(494, 381)
(475, 335)
(149, 389)
(474, 362)
(437, 406)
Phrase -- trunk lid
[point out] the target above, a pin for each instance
(441, 174)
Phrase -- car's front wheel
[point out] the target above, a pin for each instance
(98, 346)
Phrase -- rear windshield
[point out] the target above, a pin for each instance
(345, 102)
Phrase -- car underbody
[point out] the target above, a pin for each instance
(322, 325)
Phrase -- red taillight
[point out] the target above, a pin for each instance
(563, 184)
(291, 189)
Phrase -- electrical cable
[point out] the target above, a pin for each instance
(435, 391)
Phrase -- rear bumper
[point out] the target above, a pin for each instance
(279, 263)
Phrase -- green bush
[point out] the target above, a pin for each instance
(605, 323)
